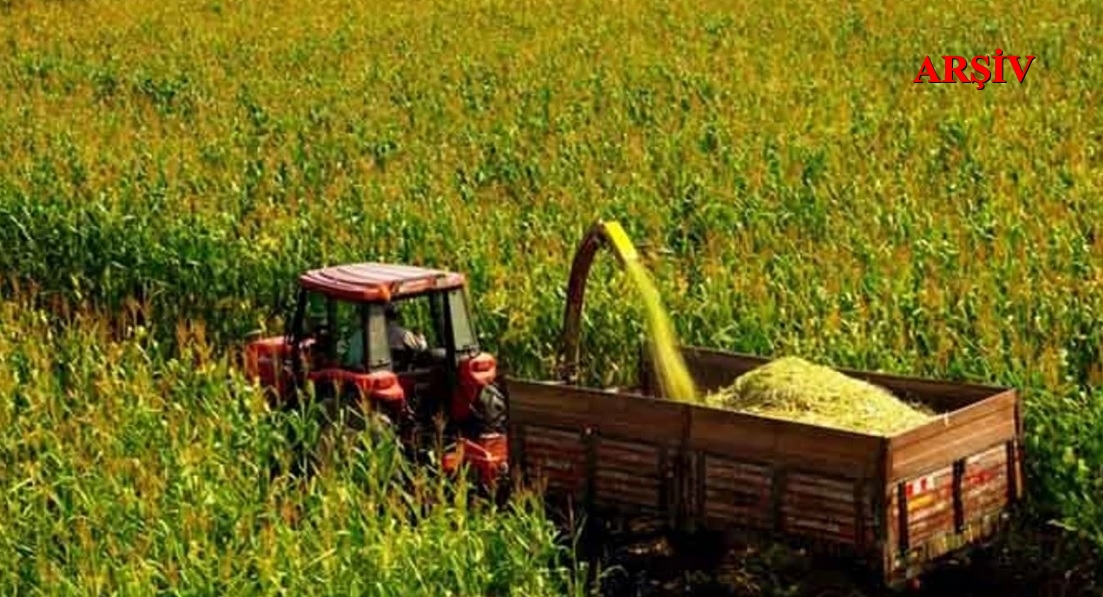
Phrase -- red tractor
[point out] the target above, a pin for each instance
(354, 333)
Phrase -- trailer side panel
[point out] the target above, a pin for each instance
(943, 486)
(800, 480)
(599, 448)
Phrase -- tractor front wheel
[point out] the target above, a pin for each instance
(343, 425)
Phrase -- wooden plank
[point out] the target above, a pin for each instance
(784, 443)
(793, 513)
(890, 514)
(933, 504)
(986, 504)
(834, 531)
(743, 498)
(745, 494)
(538, 440)
(757, 509)
(737, 478)
(726, 514)
(828, 488)
(820, 507)
(969, 416)
(956, 443)
(931, 527)
(609, 414)
(993, 457)
(553, 446)
(810, 502)
(720, 508)
(611, 475)
(568, 470)
(735, 468)
(554, 458)
(624, 494)
(611, 491)
(733, 492)
(551, 434)
(633, 456)
(741, 484)
(985, 483)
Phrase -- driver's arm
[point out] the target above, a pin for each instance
(401, 338)
(415, 342)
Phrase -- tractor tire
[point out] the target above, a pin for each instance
(343, 427)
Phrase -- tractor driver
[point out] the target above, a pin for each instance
(400, 339)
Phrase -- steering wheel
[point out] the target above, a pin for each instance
(423, 358)
(402, 359)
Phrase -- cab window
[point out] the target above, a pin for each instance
(462, 331)
(379, 351)
(419, 315)
(338, 327)
(318, 325)
(348, 328)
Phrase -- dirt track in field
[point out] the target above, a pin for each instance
(647, 563)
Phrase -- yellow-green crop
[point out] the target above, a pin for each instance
(793, 389)
(126, 471)
(663, 343)
(198, 154)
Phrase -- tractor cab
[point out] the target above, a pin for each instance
(397, 340)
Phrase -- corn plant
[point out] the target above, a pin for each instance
(188, 158)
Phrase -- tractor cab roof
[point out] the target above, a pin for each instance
(371, 282)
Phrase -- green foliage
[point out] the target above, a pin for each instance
(814, 201)
(127, 471)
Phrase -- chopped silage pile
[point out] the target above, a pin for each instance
(794, 389)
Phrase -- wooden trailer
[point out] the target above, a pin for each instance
(896, 503)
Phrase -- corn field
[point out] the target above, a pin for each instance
(172, 166)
